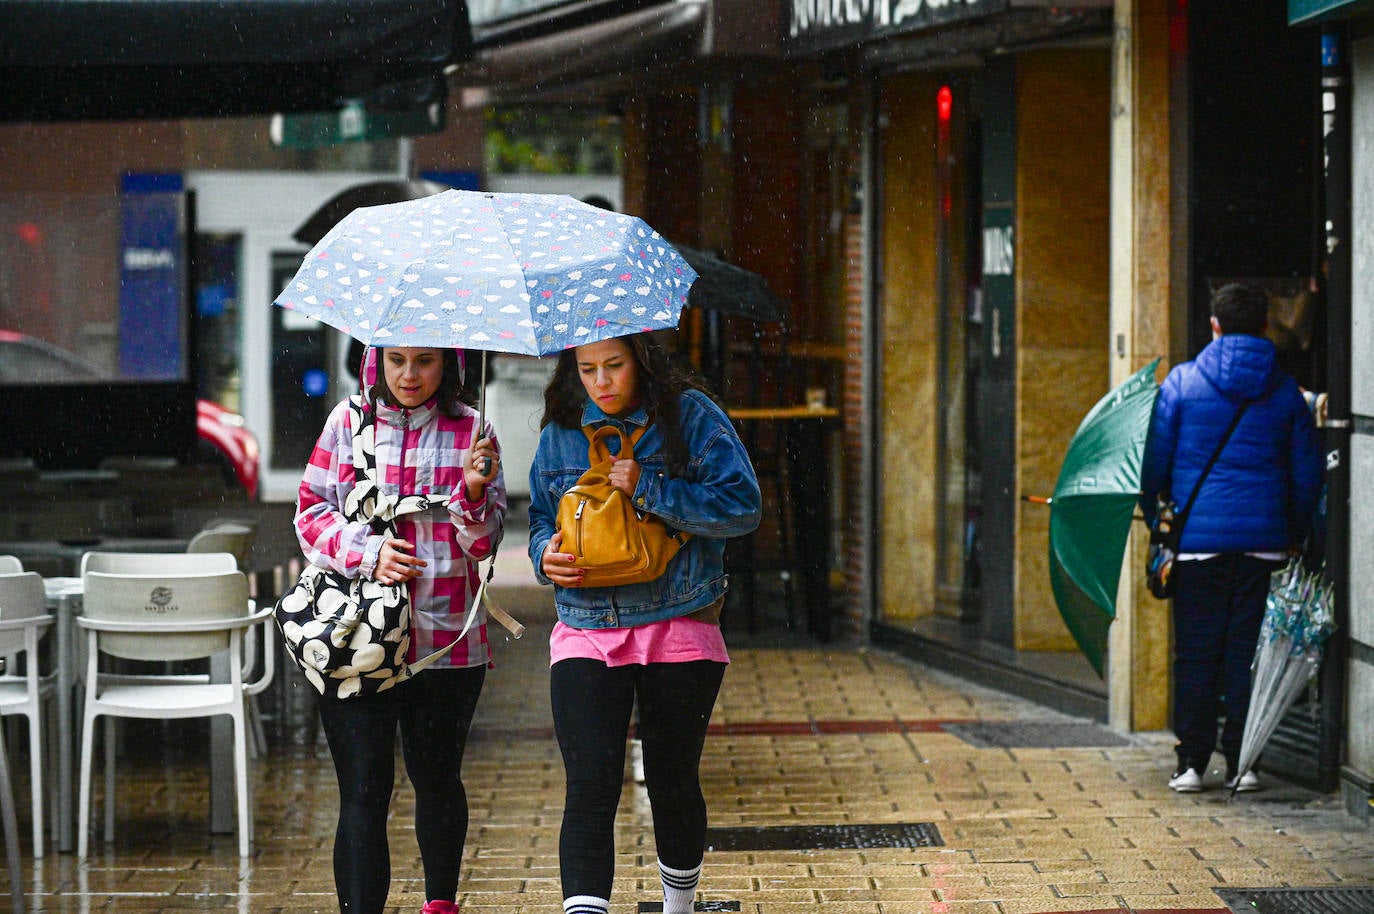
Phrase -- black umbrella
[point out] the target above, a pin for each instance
(722, 286)
(373, 193)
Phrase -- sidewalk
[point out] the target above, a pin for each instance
(838, 780)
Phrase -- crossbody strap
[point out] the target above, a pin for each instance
(1182, 517)
(366, 502)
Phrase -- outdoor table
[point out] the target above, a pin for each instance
(65, 555)
(64, 597)
(808, 472)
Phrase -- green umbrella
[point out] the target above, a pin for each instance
(1092, 506)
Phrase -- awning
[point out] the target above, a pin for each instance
(1303, 12)
(115, 59)
(657, 35)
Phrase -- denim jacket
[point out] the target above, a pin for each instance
(719, 498)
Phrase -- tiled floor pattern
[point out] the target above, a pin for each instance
(832, 736)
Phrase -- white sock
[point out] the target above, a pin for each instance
(586, 904)
(679, 888)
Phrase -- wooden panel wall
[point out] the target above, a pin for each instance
(1062, 273)
(907, 322)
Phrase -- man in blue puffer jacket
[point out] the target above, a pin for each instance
(1254, 509)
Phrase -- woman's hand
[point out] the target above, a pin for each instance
(558, 566)
(480, 469)
(624, 475)
(395, 564)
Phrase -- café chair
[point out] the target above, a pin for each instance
(9, 824)
(10, 565)
(234, 539)
(162, 617)
(24, 621)
(158, 562)
(199, 562)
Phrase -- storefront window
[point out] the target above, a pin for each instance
(957, 471)
(553, 140)
(91, 288)
(218, 316)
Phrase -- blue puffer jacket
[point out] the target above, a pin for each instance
(1261, 494)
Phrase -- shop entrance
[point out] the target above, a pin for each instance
(944, 419)
(959, 304)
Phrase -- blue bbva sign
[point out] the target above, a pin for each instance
(152, 279)
(829, 23)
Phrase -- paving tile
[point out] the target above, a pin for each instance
(827, 736)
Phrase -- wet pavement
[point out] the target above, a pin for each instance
(838, 779)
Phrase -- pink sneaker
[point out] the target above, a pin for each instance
(439, 906)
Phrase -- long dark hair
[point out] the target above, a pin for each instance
(662, 380)
(452, 389)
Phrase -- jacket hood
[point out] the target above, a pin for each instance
(367, 372)
(1240, 366)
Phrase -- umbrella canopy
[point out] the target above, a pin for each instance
(1298, 618)
(370, 193)
(530, 274)
(723, 286)
(1092, 506)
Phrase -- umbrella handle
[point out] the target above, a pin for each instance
(482, 414)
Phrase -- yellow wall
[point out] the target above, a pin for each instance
(1062, 273)
(908, 330)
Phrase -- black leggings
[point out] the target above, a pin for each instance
(591, 716)
(434, 712)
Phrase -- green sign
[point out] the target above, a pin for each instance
(1301, 11)
(354, 124)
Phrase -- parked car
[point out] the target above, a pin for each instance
(223, 436)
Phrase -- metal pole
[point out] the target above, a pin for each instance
(1335, 101)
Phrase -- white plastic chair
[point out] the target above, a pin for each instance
(235, 539)
(9, 824)
(158, 562)
(163, 617)
(198, 562)
(10, 565)
(24, 621)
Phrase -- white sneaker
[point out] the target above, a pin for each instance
(637, 760)
(1186, 781)
(1249, 782)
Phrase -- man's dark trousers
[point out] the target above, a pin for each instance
(1218, 608)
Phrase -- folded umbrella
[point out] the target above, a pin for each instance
(1298, 618)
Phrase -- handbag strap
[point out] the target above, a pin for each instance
(366, 484)
(597, 435)
(1182, 517)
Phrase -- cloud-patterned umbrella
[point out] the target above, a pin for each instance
(501, 272)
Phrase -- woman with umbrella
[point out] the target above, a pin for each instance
(656, 645)
(423, 429)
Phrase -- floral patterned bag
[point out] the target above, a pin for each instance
(350, 635)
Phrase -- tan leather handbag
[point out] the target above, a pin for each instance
(613, 541)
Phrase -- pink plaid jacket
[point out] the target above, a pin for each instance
(419, 452)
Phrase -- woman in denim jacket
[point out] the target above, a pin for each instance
(658, 644)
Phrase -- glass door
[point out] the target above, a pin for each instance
(958, 294)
